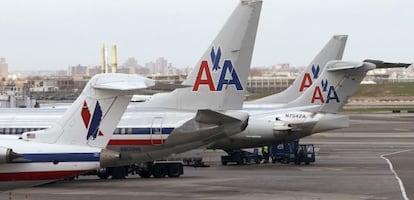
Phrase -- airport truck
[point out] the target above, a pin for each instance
(156, 169)
(293, 152)
(241, 157)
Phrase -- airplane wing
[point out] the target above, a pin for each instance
(213, 117)
(208, 126)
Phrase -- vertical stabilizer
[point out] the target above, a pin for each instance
(337, 83)
(219, 79)
(93, 117)
(333, 50)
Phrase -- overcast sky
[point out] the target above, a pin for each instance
(51, 35)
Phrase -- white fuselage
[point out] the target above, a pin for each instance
(145, 130)
(141, 135)
(42, 163)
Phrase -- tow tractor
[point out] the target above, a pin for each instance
(293, 152)
(286, 153)
(241, 157)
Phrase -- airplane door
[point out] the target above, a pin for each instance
(156, 131)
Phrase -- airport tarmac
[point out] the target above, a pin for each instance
(351, 164)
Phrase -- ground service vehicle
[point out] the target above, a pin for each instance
(156, 169)
(241, 157)
(293, 152)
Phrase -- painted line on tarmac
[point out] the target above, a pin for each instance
(402, 129)
(401, 184)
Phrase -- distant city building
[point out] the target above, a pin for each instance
(187, 70)
(258, 84)
(131, 62)
(159, 66)
(172, 79)
(46, 85)
(93, 70)
(281, 67)
(4, 69)
(61, 73)
(15, 96)
(77, 70)
(131, 66)
(261, 79)
(53, 84)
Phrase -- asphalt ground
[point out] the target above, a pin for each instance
(351, 164)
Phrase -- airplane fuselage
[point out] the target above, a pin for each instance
(41, 163)
(144, 136)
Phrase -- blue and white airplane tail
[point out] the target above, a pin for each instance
(337, 83)
(93, 117)
(333, 50)
(219, 80)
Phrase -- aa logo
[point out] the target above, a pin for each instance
(228, 75)
(92, 122)
(307, 79)
(324, 89)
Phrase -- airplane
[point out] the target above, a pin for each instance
(315, 111)
(76, 142)
(187, 117)
(286, 125)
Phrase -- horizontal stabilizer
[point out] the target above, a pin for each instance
(343, 65)
(167, 86)
(122, 82)
(211, 117)
(381, 64)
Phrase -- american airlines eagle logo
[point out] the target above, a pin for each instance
(92, 122)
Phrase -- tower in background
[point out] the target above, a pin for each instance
(4, 69)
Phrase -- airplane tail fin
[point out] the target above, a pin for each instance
(333, 50)
(219, 79)
(93, 117)
(338, 83)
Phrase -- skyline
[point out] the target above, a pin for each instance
(49, 35)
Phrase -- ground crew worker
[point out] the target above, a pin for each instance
(265, 153)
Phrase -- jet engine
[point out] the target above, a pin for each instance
(109, 158)
(7, 155)
(281, 126)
